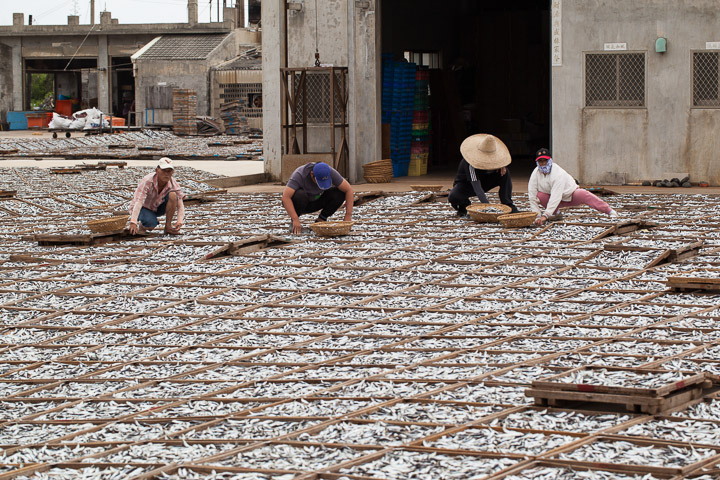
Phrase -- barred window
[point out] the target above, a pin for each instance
(615, 79)
(250, 95)
(317, 89)
(705, 79)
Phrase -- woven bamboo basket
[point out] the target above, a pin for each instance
(331, 229)
(487, 212)
(379, 171)
(426, 188)
(378, 178)
(109, 224)
(515, 220)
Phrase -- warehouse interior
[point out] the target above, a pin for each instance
(489, 67)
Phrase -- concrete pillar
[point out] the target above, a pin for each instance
(192, 12)
(92, 12)
(104, 77)
(273, 41)
(240, 13)
(105, 18)
(17, 73)
(364, 102)
(18, 19)
(73, 20)
(229, 19)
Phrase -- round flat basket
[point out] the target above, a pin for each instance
(110, 224)
(487, 212)
(378, 178)
(331, 229)
(515, 220)
(426, 188)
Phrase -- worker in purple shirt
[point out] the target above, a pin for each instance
(316, 187)
(482, 168)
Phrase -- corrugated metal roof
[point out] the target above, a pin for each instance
(185, 47)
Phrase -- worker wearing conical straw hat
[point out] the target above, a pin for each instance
(484, 166)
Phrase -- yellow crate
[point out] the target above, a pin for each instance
(417, 167)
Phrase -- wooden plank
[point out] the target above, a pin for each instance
(252, 244)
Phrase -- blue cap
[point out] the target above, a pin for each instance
(322, 175)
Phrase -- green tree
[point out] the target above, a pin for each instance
(42, 87)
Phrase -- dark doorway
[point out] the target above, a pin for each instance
(123, 90)
(489, 70)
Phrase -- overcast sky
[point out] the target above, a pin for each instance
(55, 12)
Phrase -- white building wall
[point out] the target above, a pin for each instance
(600, 145)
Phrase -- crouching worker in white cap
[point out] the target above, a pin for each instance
(316, 187)
(482, 168)
(157, 194)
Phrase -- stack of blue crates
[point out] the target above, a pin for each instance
(398, 98)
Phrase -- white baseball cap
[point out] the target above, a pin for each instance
(164, 163)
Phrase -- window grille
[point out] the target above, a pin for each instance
(615, 79)
(706, 87)
(317, 85)
(250, 93)
(424, 59)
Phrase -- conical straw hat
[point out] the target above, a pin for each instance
(485, 152)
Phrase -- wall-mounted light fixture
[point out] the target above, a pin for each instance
(295, 6)
(661, 45)
(364, 4)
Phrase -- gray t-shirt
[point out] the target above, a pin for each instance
(301, 180)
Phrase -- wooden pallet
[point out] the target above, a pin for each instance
(549, 392)
(633, 403)
(693, 283)
(88, 239)
(66, 170)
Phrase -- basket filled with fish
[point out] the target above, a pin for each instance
(642, 390)
(487, 212)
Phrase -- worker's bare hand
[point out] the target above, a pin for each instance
(540, 221)
(133, 228)
(297, 227)
(503, 171)
(172, 230)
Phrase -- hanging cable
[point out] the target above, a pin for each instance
(317, 53)
(78, 49)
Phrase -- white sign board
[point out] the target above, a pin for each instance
(556, 30)
(616, 46)
(712, 45)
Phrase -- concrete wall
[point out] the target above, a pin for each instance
(346, 36)
(600, 145)
(191, 74)
(6, 82)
